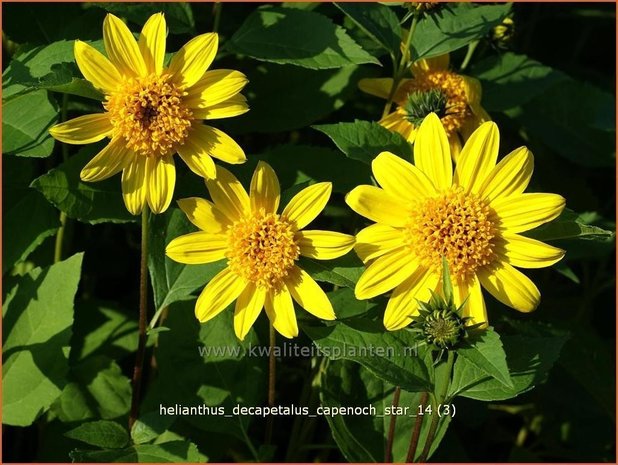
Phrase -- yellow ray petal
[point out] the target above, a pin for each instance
(454, 142)
(161, 182)
(215, 143)
(264, 190)
(214, 87)
(121, 47)
(134, 182)
(403, 304)
(400, 178)
(111, 160)
(196, 248)
(309, 294)
(228, 195)
(233, 106)
(473, 90)
(510, 176)
(280, 310)
(432, 154)
(96, 68)
(511, 287)
(376, 240)
(529, 253)
(439, 63)
(379, 87)
(478, 157)
(248, 307)
(195, 155)
(385, 273)
(191, 62)
(307, 204)
(221, 291)
(204, 214)
(324, 245)
(83, 129)
(474, 308)
(152, 43)
(527, 211)
(378, 205)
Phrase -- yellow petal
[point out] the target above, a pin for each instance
(473, 90)
(307, 204)
(221, 291)
(309, 294)
(510, 176)
(454, 142)
(121, 47)
(233, 106)
(196, 157)
(196, 248)
(280, 310)
(248, 307)
(400, 178)
(379, 87)
(204, 214)
(216, 143)
(403, 304)
(134, 185)
(511, 287)
(96, 68)
(111, 160)
(161, 182)
(478, 157)
(191, 62)
(475, 304)
(377, 205)
(83, 129)
(324, 245)
(432, 154)
(376, 240)
(439, 63)
(529, 253)
(228, 195)
(527, 211)
(385, 273)
(264, 190)
(214, 87)
(152, 43)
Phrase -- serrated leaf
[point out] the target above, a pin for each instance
(378, 21)
(346, 305)
(487, 354)
(178, 16)
(103, 433)
(169, 452)
(149, 426)
(297, 37)
(364, 140)
(344, 271)
(570, 225)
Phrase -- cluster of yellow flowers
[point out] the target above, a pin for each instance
(472, 215)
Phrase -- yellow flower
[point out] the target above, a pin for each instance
(459, 105)
(261, 247)
(153, 112)
(472, 217)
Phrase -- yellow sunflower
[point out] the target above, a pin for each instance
(261, 247)
(152, 112)
(433, 88)
(472, 217)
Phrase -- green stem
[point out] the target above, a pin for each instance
(388, 455)
(271, 382)
(63, 215)
(216, 11)
(469, 53)
(143, 311)
(435, 418)
(416, 432)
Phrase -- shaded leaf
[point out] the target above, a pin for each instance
(344, 271)
(169, 452)
(487, 354)
(103, 433)
(378, 21)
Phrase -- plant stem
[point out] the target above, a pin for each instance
(435, 418)
(143, 311)
(271, 382)
(216, 11)
(469, 53)
(63, 215)
(388, 454)
(416, 432)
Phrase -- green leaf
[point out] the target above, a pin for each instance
(455, 26)
(346, 305)
(364, 140)
(150, 426)
(509, 80)
(25, 125)
(103, 433)
(172, 281)
(178, 16)
(90, 202)
(37, 319)
(169, 452)
(63, 79)
(378, 21)
(297, 37)
(487, 354)
(570, 225)
(344, 271)
(392, 357)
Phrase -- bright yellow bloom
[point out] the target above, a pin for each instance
(460, 110)
(153, 112)
(261, 247)
(472, 217)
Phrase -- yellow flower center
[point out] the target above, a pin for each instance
(148, 112)
(458, 226)
(262, 249)
(453, 87)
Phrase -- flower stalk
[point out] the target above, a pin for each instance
(388, 455)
